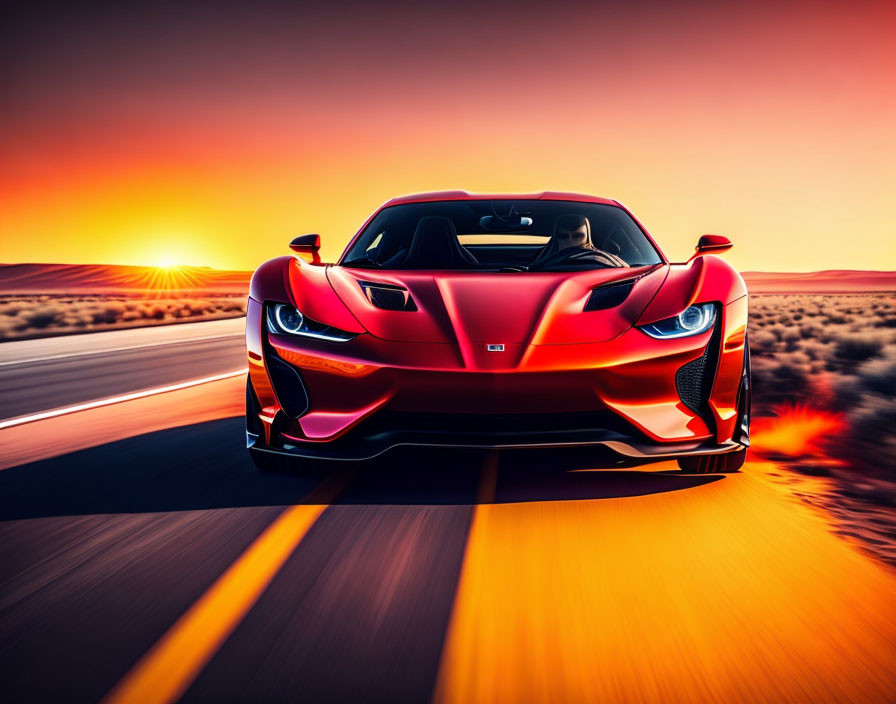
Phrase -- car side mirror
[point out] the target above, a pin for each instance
(712, 244)
(307, 244)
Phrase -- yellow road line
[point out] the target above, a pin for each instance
(174, 662)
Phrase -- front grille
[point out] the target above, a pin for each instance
(694, 380)
(512, 425)
(608, 296)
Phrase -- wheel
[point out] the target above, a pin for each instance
(713, 464)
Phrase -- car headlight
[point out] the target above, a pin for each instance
(284, 318)
(287, 318)
(692, 321)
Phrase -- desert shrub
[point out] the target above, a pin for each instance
(108, 315)
(857, 349)
(154, 311)
(762, 342)
(869, 399)
(807, 352)
(810, 331)
(42, 317)
(31, 316)
(779, 380)
(815, 350)
(8, 325)
(790, 338)
(778, 331)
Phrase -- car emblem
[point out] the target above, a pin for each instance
(495, 348)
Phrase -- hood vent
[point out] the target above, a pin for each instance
(387, 296)
(609, 296)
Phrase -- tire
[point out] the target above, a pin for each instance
(713, 464)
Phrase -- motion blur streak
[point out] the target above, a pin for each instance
(62, 434)
(724, 592)
(166, 671)
(118, 399)
(125, 348)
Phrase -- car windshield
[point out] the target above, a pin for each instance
(515, 235)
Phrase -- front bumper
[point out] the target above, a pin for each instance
(369, 395)
(380, 434)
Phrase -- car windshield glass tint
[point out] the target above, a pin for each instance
(518, 235)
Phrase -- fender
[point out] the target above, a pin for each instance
(705, 278)
(290, 280)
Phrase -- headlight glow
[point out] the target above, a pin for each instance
(288, 318)
(284, 318)
(694, 320)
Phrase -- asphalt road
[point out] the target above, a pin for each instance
(158, 565)
(40, 375)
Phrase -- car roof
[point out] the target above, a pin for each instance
(465, 195)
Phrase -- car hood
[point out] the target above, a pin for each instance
(516, 308)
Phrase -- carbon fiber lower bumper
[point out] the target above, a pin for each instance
(388, 431)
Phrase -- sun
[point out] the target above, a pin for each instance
(166, 273)
(166, 262)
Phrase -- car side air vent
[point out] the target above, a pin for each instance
(694, 380)
(388, 296)
(608, 296)
(288, 387)
(691, 383)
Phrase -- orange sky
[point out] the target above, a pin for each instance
(211, 136)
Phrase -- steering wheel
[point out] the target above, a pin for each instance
(573, 258)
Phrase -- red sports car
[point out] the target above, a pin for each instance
(499, 321)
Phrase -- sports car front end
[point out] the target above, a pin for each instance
(645, 361)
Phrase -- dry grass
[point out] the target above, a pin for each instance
(837, 354)
(23, 317)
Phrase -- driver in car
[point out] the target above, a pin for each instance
(571, 246)
(573, 231)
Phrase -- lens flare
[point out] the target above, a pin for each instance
(795, 431)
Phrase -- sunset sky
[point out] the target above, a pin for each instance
(211, 134)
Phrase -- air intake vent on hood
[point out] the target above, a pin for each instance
(387, 296)
(609, 296)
